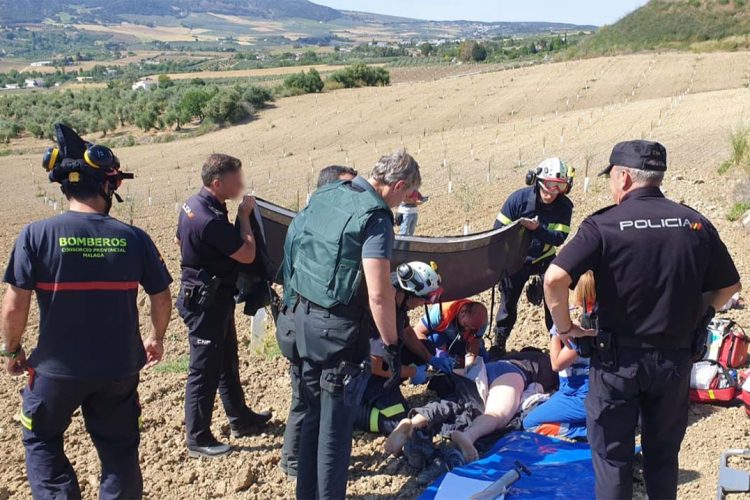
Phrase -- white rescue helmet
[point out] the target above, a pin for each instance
(554, 168)
(553, 174)
(420, 279)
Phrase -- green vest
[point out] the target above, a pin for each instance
(326, 252)
(285, 270)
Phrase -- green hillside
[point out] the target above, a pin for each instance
(679, 24)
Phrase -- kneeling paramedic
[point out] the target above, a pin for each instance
(660, 270)
(85, 268)
(212, 250)
(347, 235)
(545, 210)
(416, 284)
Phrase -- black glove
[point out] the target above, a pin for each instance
(392, 357)
(700, 336)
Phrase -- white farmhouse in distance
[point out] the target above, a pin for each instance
(32, 83)
(145, 84)
(38, 64)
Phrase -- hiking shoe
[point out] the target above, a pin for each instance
(213, 450)
(252, 426)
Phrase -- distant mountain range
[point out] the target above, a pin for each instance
(139, 11)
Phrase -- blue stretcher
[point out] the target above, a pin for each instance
(559, 470)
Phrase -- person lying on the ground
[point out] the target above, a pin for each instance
(467, 419)
(564, 414)
(455, 329)
(381, 408)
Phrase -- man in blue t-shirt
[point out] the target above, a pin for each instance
(85, 268)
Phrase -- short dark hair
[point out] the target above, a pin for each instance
(333, 173)
(217, 165)
(84, 190)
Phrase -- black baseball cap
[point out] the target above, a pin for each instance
(643, 155)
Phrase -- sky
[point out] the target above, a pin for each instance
(597, 12)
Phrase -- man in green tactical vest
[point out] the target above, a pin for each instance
(341, 273)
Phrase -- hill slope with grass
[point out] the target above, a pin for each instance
(679, 24)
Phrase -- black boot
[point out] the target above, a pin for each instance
(498, 349)
(254, 425)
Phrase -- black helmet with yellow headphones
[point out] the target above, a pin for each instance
(77, 162)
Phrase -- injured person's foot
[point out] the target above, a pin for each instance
(398, 438)
(464, 444)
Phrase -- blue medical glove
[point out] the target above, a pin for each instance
(443, 364)
(420, 377)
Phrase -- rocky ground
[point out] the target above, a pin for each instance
(456, 127)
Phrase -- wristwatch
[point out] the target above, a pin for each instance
(11, 355)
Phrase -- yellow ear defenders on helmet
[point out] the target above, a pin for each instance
(51, 158)
(100, 157)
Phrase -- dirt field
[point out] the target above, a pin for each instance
(462, 130)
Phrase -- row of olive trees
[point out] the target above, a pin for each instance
(106, 110)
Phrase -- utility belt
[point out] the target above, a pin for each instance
(348, 380)
(606, 344)
(203, 296)
(352, 311)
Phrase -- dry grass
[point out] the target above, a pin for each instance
(466, 122)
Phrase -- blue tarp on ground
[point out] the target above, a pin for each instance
(559, 470)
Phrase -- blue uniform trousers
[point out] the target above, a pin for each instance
(111, 413)
(562, 415)
(511, 289)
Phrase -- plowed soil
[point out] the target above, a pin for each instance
(476, 135)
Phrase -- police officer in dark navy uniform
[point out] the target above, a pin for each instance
(85, 268)
(346, 238)
(285, 337)
(660, 270)
(545, 210)
(212, 250)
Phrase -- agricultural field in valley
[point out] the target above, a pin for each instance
(475, 135)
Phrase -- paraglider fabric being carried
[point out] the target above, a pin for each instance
(468, 264)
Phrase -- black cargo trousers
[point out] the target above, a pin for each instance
(285, 336)
(332, 344)
(626, 383)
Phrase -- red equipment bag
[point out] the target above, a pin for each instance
(722, 387)
(727, 343)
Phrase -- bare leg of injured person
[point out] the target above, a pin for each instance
(503, 402)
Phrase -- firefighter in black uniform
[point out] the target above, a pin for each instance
(343, 247)
(212, 250)
(660, 270)
(85, 268)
